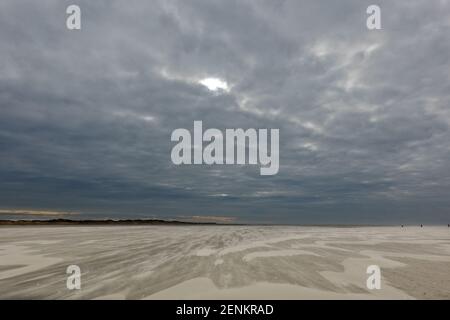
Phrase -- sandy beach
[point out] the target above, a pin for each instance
(224, 262)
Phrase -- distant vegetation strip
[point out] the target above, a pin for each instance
(99, 222)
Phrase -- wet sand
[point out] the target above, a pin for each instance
(224, 262)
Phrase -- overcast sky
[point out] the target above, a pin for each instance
(86, 116)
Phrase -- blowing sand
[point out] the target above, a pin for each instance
(224, 262)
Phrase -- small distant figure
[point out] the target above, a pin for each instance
(402, 226)
(421, 225)
(448, 225)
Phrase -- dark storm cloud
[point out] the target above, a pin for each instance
(86, 116)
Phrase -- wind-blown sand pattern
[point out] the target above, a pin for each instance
(224, 262)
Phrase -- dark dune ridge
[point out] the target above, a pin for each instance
(99, 222)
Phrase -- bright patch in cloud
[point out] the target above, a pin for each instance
(214, 84)
(26, 212)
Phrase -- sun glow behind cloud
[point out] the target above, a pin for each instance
(215, 84)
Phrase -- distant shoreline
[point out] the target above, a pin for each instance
(127, 222)
(159, 222)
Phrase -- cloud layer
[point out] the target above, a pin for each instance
(86, 116)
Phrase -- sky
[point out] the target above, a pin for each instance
(86, 115)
